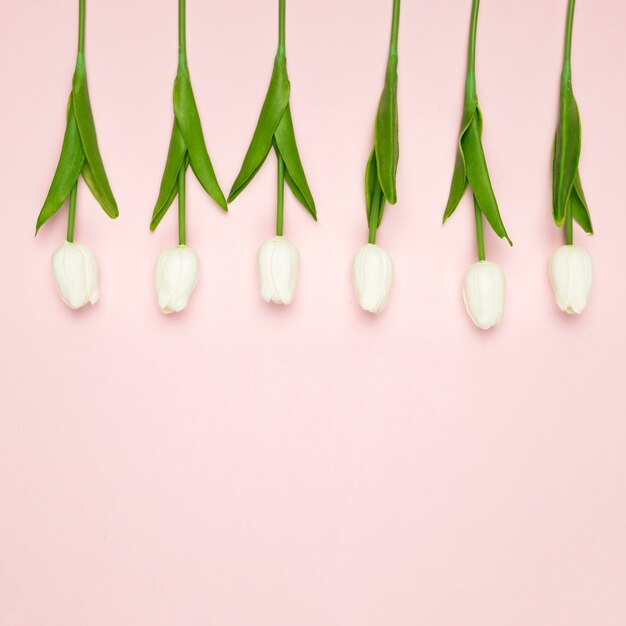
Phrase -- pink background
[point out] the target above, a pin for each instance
(248, 464)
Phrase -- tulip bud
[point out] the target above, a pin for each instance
(278, 270)
(571, 275)
(175, 278)
(372, 275)
(76, 272)
(483, 294)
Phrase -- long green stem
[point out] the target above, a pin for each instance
(182, 229)
(568, 30)
(480, 238)
(71, 216)
(565, 79)
(374, 215)
(395, 25)
(470, 80)
(471, 48)
(182, 32)
(81, 27)
(280, 169)
(281, 23)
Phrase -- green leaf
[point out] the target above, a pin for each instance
(386, 132)
(566, 153)
(188, 120)
(459, 178)
(372, 189)
(87, 130)
(67, 172)
(176, 156)
(580, 211)
(296, 179)
(478, 175)
(274, 106)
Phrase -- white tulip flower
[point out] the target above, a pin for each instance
(76, 272)
(175, 278)
(571, 275)
(278, 270)
(483, 294)
(372, 275)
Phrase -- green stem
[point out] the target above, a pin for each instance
(480, 238)
(280, 197)
(281, 23)
(374, 215)
(565, 79)
(395, 25)
(568, 31)
(71, 216)
(81, 27)
(470, 82)
(182, 231)
(569, 225)
(182, 33)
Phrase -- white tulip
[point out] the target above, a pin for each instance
(571, 275)
(483, 294)
(175, 278)
(372, 275)
(278, 270)
(76, 272)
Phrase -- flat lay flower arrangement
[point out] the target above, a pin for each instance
(75, 267)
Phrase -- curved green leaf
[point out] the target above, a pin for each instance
(372, 189)
(67, 172)
(580, 211)
(188, 120)
(386, 132)
(87, 130)
(275, 103)
(296, 179)
(459, 178)
(478, 175)
(566, 153)
(175, 158)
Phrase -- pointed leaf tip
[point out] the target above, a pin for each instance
(478, 175)
(386, 133)
(67, 172)
(274, 105)
(188, 119)
(94, 172)
(567, 145)
(285, 142)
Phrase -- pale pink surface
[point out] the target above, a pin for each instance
(248, 464)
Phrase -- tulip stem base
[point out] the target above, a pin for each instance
(182, 226)
(374, 213)
(280, 195)
(480, 237)
(71, 216)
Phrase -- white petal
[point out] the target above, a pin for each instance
(483, 294)
(175, 278)
(571, 275)
(76, 272)
(372, 275)
(278, 270)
